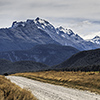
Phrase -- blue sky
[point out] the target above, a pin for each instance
(82, 16)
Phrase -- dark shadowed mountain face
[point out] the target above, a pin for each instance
(7, 67)
(48, 54)
(4, 65)
(81, 59)
(25, 35)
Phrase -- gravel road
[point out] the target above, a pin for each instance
(45, 91)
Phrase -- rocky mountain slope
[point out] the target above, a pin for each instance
(65, 36)
(49, 54)
(25, 35)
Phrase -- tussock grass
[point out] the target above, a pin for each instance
(10, 91)
(81, 80)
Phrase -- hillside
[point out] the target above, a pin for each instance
(20, 66)
(49, 54)
(85, 60)
(4, 65)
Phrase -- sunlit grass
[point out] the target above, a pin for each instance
(10, 91)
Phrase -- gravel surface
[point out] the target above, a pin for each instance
(45, 91)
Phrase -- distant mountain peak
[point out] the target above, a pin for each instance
(37, 18)
(96, 40)
(43, 24)
(96, 37)
(67, 31)
(71, 32)
(30, 21)
(18, 24)
(62, 29)
(42, 21)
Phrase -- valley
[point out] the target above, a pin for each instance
(50, 50)
(38, 50)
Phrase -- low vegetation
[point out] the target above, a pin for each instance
(10, 91)
(81, 80)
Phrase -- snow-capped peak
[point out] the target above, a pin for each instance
(43, 24)
(67, 31)
(16, 24)
(96, 39)
(40, 21)
(62, 29)
(29, 21)
(70, 32)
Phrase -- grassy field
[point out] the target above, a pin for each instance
(10, 91)
(81, 80)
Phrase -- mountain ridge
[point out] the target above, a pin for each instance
(96, 39)
(82, 60)
(25, 35)
(19, 37)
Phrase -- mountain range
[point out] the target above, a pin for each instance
(33, 41)
(25, 35)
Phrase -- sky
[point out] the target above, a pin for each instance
(82, 16)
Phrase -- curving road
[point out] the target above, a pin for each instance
(45, 91)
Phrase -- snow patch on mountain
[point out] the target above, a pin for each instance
(18, 24)
(65, 36)
(96, 40)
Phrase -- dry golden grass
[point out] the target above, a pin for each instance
(81, 80)
(10, 91)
